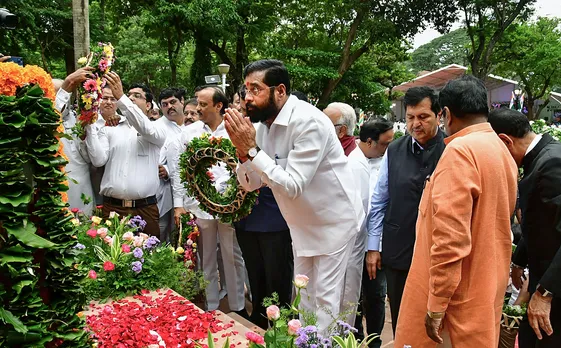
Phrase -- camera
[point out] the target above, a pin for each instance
(7, 19)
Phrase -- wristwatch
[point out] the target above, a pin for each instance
(543, 291)
(253, 152)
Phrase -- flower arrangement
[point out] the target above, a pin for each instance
(118, 259)
(14, 76)
(90, 92)
(40, 291)
(288, 332)
(162, 320)
(187, 240)
(201, 154)
(540, 127)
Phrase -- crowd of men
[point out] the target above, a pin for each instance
(424, 220)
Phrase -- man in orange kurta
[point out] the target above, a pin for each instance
(460, 267)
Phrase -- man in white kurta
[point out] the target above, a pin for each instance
(211, 123)
(296, 153)
(172, 100)
(80, 191)
(342, 114)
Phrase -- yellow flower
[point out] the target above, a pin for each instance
(75, 222)
(80, 314)
(96, 220)
(180, 250)
(195, 245)
(108, 50)
(108, 223)
(82, 60)
(99, 83)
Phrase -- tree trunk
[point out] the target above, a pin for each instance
(347, 58)
(530, 104)
(171, 59)
(541, 107)
(81, 26)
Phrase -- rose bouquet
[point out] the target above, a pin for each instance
(90, 92)
(118, 259)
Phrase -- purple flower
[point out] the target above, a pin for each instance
(79, 246)
(137, 222)
(138, 253)
(151, 242)
(136, 266)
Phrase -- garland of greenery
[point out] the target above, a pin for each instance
(40, 292)
(201, 154)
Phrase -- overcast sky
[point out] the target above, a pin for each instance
(544, 8)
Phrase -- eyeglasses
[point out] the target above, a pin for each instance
(254, 91)
(136, 95)
(171, 102)
(108, 99)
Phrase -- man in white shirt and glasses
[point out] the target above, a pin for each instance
(130, 153)
(295, 152)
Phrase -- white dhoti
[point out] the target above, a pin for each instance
(325, 287)
(234, 267)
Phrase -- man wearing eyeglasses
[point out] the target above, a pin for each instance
(130, 153)
(295, 152)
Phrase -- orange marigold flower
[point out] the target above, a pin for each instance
(11, 77)
(36, 75)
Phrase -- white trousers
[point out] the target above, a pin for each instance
(327, 276)
(234, 267)
(353, 279)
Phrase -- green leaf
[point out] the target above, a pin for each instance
(8, 318)
(26, 235)
(20, 285)
(210, 340)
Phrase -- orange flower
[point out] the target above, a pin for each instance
(36, 75)
(11, 77)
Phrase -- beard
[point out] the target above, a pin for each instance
(262, 114)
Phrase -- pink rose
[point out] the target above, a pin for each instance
(126, 248)
(92, 274)
(108, 240)
(92, 233)
(128, 236)
(74, 210)
(255, 338)
(301, 281)
(102, 232)
(273, 313)
(293, 326)
(138, 241)
(144, 235)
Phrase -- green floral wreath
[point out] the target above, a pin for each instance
(201, 154)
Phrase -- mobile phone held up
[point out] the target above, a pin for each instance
(17, 60)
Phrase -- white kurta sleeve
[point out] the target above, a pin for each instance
(97, 144)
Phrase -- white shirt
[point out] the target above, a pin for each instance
(130, 153)
(165, 200)
(303, 163)
(174, 151)
(361, 176)
(78, 168)
(533, 143)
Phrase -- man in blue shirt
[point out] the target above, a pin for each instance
(407, 163)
